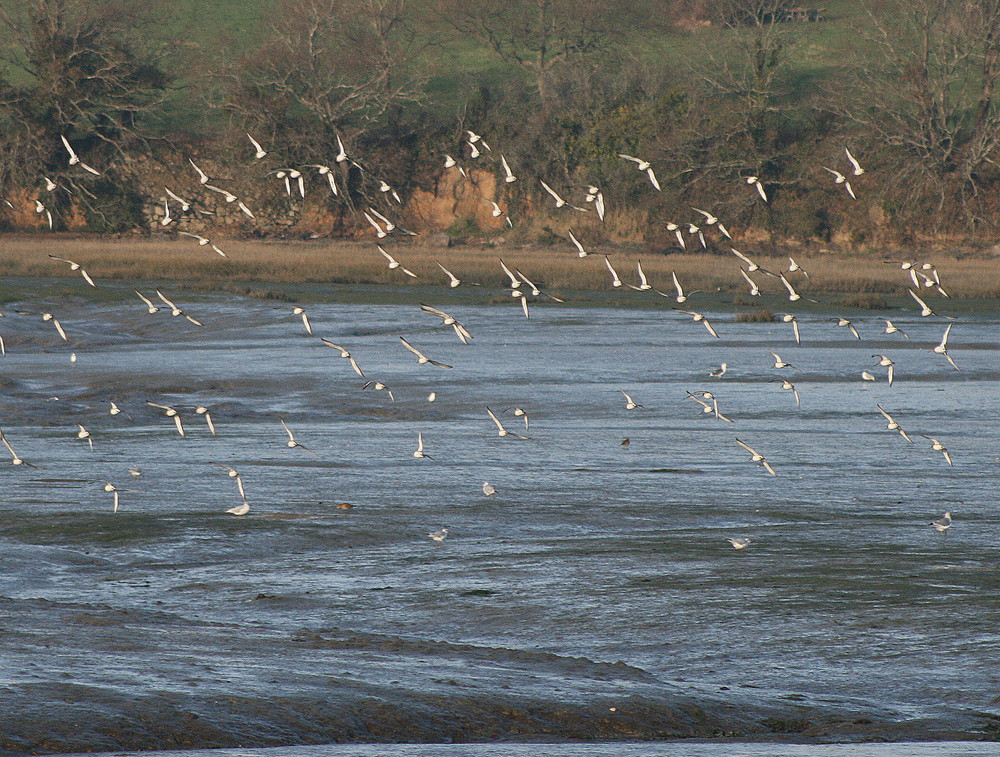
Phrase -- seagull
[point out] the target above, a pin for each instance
(502, 431)
(779, 363)
(185, 205)
(885, 362)
(755, 181)
(858, 170)
(524, 301)
(170, 412)
(560, 202)
(84, 434)
(497, 212)
(174, 310)
(202, 176)
(488, 489)
(259, 152)
(40, 209)
(202, 410)
(389, 225)
(379, 231)
(751, 266)
(448, 320)
(839, 178)
(698, 317)
(379, 386)
(453, 280)
(740, 543)
(925, 309)
(394, 264)
(115, 410)
(789, 318)
(681, 297)
(167, 219)
(754, 289)
(202, 241)
(712, 407)
(305, 318)
(630, 404)
(432, 397)
(341, 152)
(344, 353)
(892, 425)
(757, 457)
(14, 458)
(615, 281)
(439, 536)
(450, 162)
(643, 165)
(841, 321)
(47, 317)
(938, 447)
(644, 285)
(942, 348)
(508, 175)
(239, 509)
(793, 267)
(109, 487)
(866, 376)
(519, 413)
(150, 307)
(421, 358)
(76, 267)
(420, 447)
(74, 159)
(291, 439)
(720, 371)
(789, 386)
(891, 328)
(232, 473)
(581, 252)
(793, 296)
(535, 291)
(943, 523)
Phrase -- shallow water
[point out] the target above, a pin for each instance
(594, 596)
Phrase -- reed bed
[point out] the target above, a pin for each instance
(862, 279)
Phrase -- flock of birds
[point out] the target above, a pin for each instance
(924, 278)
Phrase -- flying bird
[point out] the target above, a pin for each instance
(501, 429)
(699, 318)
(643, 165)
(942, 348)
(421, 358)
(291, 443)
(74, 159)
(891, 424)
(76, 267)
(756, 457)
(394, 264)
(938, 447)
(344, 353)
(259, 152)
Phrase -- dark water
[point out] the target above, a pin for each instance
(595, 596)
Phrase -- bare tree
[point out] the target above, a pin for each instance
(930, 92)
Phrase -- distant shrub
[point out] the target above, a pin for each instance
(757, 316)
(864, 301)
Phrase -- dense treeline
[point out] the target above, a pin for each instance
(711, 92)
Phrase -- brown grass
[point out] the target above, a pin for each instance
(252, 263)
(757, 316)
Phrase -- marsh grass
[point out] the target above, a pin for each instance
(256, 268)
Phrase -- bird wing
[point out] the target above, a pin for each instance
(514, 281)
(748, 448)
(453, 278)
(576, 242)
(288, 431)
(741, 256)
(551, 191)
(412, 349)
(708, 326)
(629, 157)
(652, 178)
(495, 419)
(944, 339)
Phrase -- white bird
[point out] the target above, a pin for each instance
(517, 293)
(520, 413)
(394, 264)
(615, 281)
(453, 280)
(232, 473)
(259, 152)
(757, 457)
(421, 358)
(560, 202)
(793, 267)
(150, 307)
(291, 443)
(720, 371)
(174, 310)
(700, 318)
(580, 251)
(630, 404)
(789, 318)
(15, 459)
(644, 284)
(943, 523)
(755, 181)
(115, 410)
(170, 412)
(84, 434)
(710, 218)
(508, 175)
(938, 447)
(379, 231)
(202, 410)
(740, 543)
(515, 282)
(167, 219)
(643, 165)
(420, 447)
(497, 212)
(778, 362)
(535, 291)
(754, 289)
(41, 209)
(839, 178)
(389, 225)
(789, 386)
(891, 328)
(681, 297)
(447, 320)
(76, 267)
(439, 535)
(501, 429)
(751, 266)
(488, 489)
(379, 386)
(74, 159)
(202, 241)
(239, 509)
(432, 397)
(885, 362)
(109, 487)
(942, 348)
(300, 311)
(344, 353)
(185, 205)
(891, 424)
(841, 321)
(866, 376)
(341, 152)
(202, 176)
(48, 317)
(925, 309)
(450, 162)
(858, 170)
